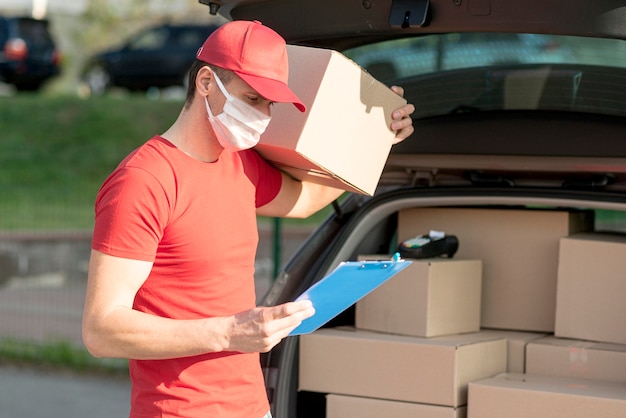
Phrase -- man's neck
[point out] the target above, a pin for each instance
(192, 134)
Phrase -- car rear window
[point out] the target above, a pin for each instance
(488, 71)
(35, 32)
(150, 40)
(191, 38)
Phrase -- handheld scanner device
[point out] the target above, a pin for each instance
(435, 244)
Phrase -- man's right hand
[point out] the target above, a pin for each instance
(260, 329)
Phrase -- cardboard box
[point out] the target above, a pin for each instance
(575, 358)
(339, 406)
(591, 288)
(523, 396)
(435, 371)
(519, 250)
(429, 298)
(343, 139)
(517, 342)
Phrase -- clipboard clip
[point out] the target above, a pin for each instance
(394, 259)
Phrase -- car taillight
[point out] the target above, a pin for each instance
(56, 57)
(15, 49)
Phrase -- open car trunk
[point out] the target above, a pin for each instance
(372, 228)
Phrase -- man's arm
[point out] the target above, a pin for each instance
(111, 328)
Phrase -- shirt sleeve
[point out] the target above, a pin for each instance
(266, 177)
(131, 212)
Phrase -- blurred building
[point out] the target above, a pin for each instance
(41, 8)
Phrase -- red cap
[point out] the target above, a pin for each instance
(255, 53)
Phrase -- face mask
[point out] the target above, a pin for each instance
(239, 126)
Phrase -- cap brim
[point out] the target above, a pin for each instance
(273, 90)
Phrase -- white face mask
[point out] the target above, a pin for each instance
(240, 125)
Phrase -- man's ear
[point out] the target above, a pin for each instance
(203, 80)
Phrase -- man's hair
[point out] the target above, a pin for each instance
(225, 75)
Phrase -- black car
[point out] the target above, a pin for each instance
(538, 135)
(28, 54)
(156, 57)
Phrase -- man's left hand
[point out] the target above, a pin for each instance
(402, 122)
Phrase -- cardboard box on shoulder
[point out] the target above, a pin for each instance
(525, 395)
(561, 357)
(591, 288)
(340, 406)
(434, 371)
(519, 249)
(344, 137)
(431, 297)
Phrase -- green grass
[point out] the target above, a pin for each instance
(58, 355)
(56, 151)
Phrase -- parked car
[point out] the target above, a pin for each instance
(156, 57)
(539, 131)
(28, 54)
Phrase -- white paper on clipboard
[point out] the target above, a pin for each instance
(349, 282)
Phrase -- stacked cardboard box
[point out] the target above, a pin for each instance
(433, 371)
(429, 298)
(561, 357)
(341, 406)
(524, 395)
(568, 289)
(592, 287)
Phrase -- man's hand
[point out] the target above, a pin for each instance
(260, 329)
(402, 122)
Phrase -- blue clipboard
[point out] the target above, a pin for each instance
(344, 286)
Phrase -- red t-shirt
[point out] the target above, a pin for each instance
(197, 222)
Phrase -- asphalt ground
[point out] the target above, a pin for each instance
(26, 392)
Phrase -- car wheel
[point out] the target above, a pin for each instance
(97, 80)
(28, 85)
